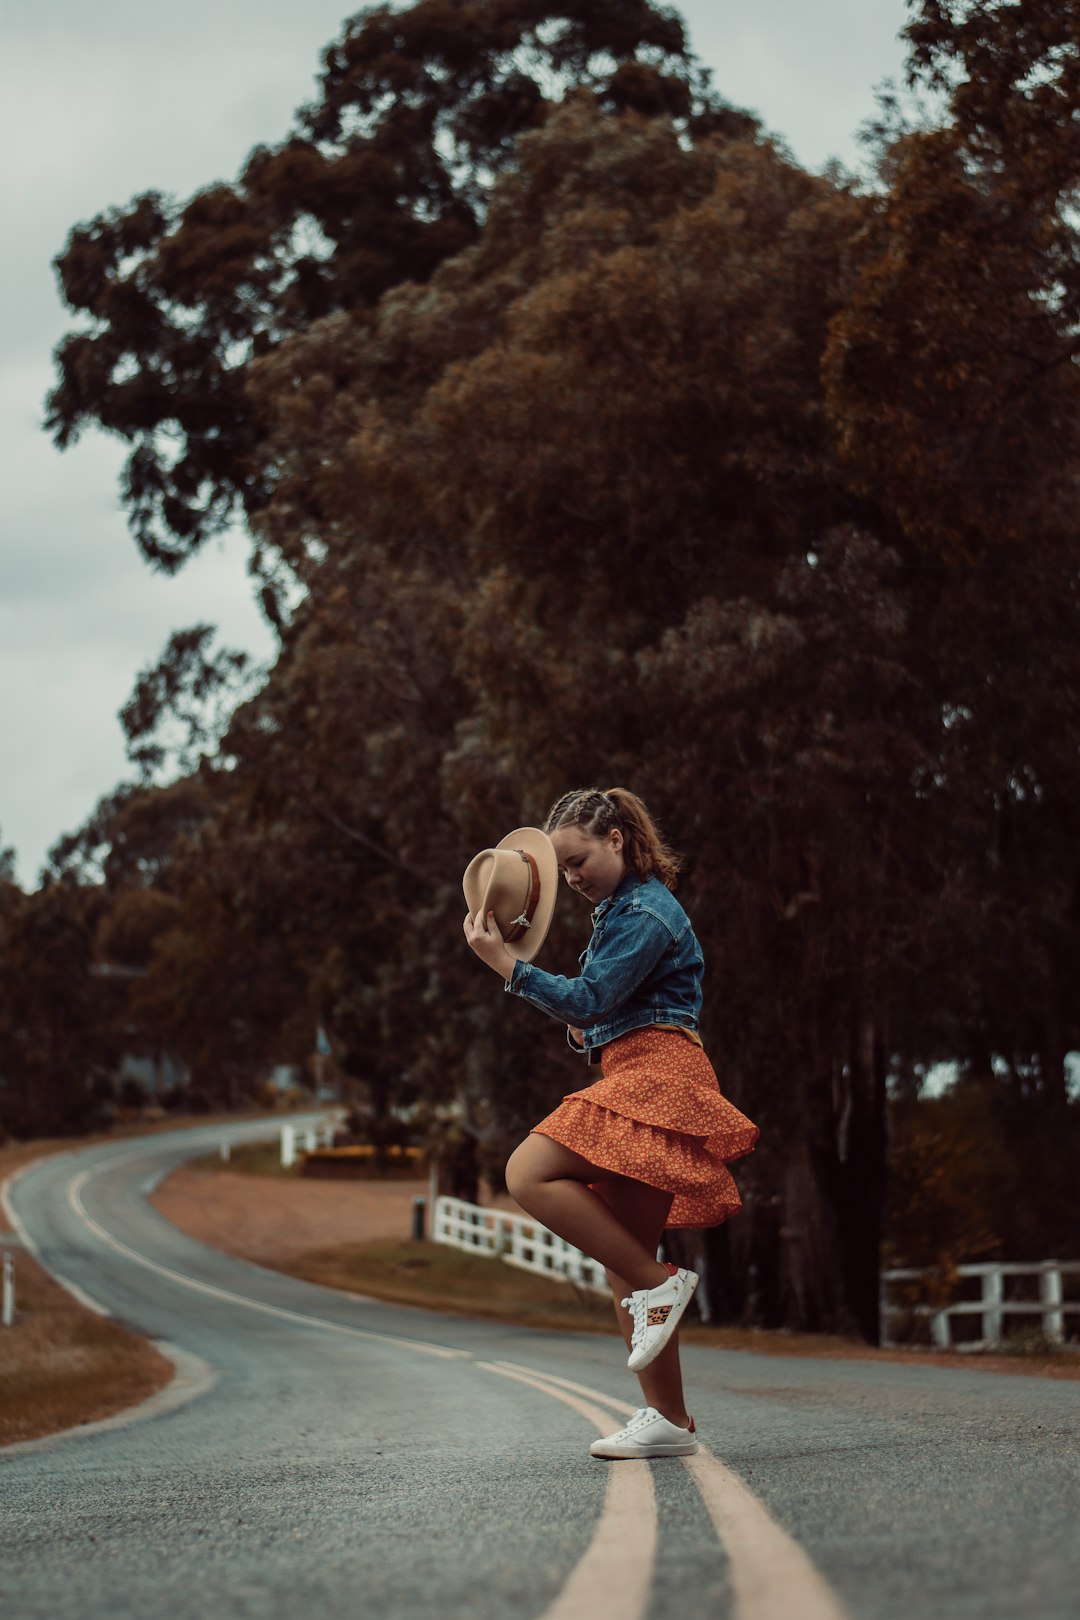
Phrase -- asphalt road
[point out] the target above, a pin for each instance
(324, 1455)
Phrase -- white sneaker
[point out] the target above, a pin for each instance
(648, 1435)
(656, 1312)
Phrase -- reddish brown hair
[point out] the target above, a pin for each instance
(597, 813)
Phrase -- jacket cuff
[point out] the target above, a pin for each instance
(516, 982)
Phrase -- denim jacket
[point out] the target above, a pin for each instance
(643, 965)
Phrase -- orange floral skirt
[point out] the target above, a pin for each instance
(657, 1115)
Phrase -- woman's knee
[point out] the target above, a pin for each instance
(537, 1163)
(519, 1174)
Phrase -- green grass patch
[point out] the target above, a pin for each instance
(445, 1279)
(442, 1278)
(249, 1159)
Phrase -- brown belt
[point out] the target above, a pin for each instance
(520, 925)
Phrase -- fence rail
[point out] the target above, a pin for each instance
(516, 1240)
(525, 1243)
(993, 1306)
(309, 1135)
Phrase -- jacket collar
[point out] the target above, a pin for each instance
(630, 882)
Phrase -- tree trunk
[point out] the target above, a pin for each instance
(833, 1198)
(862, 1181)
(812, 1294)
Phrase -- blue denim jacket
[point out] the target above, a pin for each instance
(643, 965)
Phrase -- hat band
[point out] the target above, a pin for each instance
(520, 925)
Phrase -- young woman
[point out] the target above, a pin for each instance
(646, 1146)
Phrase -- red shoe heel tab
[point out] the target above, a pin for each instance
(671, 1270)
(691, 1428)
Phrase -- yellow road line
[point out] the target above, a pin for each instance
(772, 1577)
(614, 1574)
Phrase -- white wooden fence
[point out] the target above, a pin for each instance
(994, 1304)
(515, 1239)
(525, 1243)
(310, 1137)
(7, 1305)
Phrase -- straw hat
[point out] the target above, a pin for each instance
(518, 880)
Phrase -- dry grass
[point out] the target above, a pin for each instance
(238, 1212)
(444, 1279)
(62, 1365)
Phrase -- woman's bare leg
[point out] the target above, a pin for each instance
(643, 1211)
(619, 1223)
(552, 1184)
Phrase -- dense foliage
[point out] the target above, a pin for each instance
(584, 437)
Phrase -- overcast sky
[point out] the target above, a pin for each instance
(102, 101)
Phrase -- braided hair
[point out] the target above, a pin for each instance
(597, 814)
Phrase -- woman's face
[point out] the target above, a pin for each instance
(594, 866)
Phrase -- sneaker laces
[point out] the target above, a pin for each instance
(644, 1418)
(637, 1305)
(637, 1420)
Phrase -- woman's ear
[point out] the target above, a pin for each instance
(616, 839)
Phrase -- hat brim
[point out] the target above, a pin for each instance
(532, 841)
(536, 843)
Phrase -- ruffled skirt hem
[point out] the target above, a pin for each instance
(693, 1169)
(657, 1115)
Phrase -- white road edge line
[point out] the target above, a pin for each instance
(618, 1561)
(614, 1573)
(771, 1575)
(74, 1191)
(27, 1242)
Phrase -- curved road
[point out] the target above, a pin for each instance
(337, 1456)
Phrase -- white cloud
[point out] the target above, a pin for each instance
(100, 103)
(69, 657)
(73, 131)
(809, 72)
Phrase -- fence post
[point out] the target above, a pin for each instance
(288, 1146)
(993, 1292)
(226, 1150)
(884, 1312)
(1051, 1297)
(939, 1330)
(8, 1310)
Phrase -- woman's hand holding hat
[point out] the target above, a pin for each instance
(510, 891)
(482, 936)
